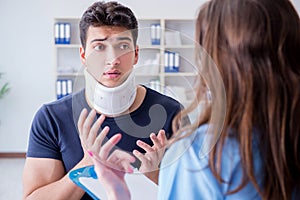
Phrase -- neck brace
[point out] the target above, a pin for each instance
(110, 101)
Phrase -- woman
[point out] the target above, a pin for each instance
(254, 45)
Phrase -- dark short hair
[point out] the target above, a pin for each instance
(108, 14)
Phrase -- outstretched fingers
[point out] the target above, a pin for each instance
(88, 129)
(162, 138)
(152, 158)
(97, 143)
(107, 147)
(117, 159)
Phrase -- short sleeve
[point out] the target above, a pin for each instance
(43, 141)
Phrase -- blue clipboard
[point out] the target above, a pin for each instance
(139, 185)
(87, 172)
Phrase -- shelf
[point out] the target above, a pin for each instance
(70, 74)
(151, 63)
(146, 75)
(150, 46)
(67, 46)
(180, 74)
(180, 46)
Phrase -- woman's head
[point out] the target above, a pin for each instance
(254, 44)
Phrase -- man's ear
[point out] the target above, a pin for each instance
(82, 55)
(136, 54)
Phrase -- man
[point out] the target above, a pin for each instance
(108, 33)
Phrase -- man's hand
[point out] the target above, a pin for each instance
(151, 159)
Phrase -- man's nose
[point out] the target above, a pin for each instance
(112, 58)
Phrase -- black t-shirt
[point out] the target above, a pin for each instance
(54, 129)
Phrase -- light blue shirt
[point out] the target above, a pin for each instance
(185, 174)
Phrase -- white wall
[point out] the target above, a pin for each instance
(26, 55)
(297, 5)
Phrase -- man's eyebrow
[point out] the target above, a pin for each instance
(99, 40)
(124, 38)
(117, 38)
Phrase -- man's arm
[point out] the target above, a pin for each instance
(45, 178)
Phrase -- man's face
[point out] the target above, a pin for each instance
(109, 55)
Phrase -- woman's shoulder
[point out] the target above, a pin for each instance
(195, 148)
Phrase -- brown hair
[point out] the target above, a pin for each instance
(108, 14)
(254, 44)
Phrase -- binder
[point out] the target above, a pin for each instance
(63, 88)
(56, 33)
(155, 34)
(67, 36)
(69, 86)
(166, 57)
(155, 85)
(58, 89)
(61, 33)
(172, 61)
(176, 61)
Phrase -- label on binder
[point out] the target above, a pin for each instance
(153, 33)
(58, 89)
(176, 62)
(67, 33)
(157, 35)
(61, 33)
(69, 86)
(56, 33)
(63, 88)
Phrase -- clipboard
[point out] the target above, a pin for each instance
(139, 185)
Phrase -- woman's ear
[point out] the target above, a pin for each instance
(82, 55)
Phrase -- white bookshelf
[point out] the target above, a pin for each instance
(150, 67)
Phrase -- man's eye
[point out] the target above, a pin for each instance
(99, 47)
(124, 46)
